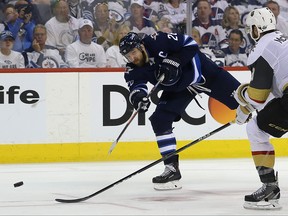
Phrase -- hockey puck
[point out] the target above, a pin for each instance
(18, 184)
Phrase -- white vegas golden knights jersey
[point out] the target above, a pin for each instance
(273, 47)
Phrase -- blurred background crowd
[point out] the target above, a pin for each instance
(86, 33)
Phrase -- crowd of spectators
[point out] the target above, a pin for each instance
(86, 33)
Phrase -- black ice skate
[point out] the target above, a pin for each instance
(267, 197)
(169, 179)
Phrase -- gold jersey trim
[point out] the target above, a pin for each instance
(258, 95)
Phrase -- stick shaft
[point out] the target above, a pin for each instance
(133, 116)
(146, 167)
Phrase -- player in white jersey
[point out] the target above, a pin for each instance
(8, 57)
(84, 53)
(268, 64)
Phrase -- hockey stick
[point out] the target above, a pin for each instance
(146, 167)
(134, 115)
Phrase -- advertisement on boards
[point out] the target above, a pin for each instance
(93, 107)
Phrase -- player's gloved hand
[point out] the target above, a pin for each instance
(171, 68)
(239, 96)
(140, 100)
(144, 104)
(243, 115)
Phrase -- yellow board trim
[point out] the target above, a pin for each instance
(84, 152)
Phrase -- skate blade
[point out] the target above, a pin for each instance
(172, 185)
(263, 205)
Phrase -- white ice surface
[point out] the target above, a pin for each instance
(210, 187)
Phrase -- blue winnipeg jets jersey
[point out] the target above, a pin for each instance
(161, 45)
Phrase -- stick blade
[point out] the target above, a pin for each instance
(72, 200)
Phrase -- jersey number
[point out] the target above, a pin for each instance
(172, 36)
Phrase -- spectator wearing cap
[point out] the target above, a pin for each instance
(62, 29)
(137, 22)
(8, 57)
(41, 55)
(84, 52)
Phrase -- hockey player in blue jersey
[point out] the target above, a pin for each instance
(187, 72)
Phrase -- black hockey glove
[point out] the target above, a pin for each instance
(139, 99)
(171, 68)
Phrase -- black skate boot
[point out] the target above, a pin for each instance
(169, 179)
(266, 197)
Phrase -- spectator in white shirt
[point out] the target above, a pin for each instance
(84, 53)
(62, 28)
(231, 20)
(153, 9)
(8, 57)
(176, 12)
(211, 31)
(216, 56)
(113, 55)
(41, 55)
(137, 22)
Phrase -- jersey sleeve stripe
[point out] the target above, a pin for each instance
(188, 41)
(197, 69)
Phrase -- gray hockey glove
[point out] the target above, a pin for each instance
(139, 100)
(171, 68)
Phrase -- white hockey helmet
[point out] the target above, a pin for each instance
(263, 19)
